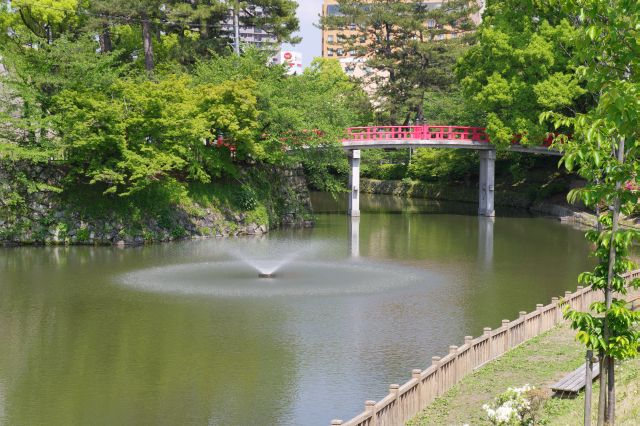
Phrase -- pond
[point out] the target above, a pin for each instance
(186, 333)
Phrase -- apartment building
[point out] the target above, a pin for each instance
(250, 35)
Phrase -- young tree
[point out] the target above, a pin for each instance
(605, 150)
(412, 46)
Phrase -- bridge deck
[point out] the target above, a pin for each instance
(431, 143)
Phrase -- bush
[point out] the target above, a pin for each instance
(385, 171)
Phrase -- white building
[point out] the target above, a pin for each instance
(292, 60)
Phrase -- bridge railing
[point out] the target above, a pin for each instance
(427, 132)
(406, 401)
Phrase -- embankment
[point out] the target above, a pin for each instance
(34, 208)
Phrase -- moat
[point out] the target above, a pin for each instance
(186, 333)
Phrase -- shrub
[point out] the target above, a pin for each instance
(516, 407)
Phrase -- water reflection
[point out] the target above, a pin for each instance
(485, 240)
(354, 236)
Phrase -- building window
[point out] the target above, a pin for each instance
(330, 39)
(330, 52)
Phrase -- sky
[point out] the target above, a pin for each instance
(311, 45)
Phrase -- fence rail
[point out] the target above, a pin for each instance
(406, 401)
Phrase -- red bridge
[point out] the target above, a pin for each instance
(390, 137)
(476, 138)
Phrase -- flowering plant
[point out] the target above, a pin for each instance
(512, 408)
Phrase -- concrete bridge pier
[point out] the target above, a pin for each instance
(487, 182)
(354, 183)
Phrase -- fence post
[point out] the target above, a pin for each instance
(435, 360)
(539, 311)
(369, 408)
(580, 290)
(415, 374)
(557, 316)
(567, 297)
(395, 412)
(507, 334)
(487, 332)
(522, 335)
(452, 350)
(469, 365)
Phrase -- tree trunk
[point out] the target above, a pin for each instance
(147, 43)
(420, 111)
(49, 34)
(236, 28)
(602, 395)
(611, 397)
(588, 384)
(611, 394)
(105, 40)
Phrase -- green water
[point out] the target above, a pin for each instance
(184, 333)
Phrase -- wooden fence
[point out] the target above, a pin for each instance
(406, 401)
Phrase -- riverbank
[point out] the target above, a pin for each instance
(539, 362)
(541, 198)
(34, 210)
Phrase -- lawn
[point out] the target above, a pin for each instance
(539, 362)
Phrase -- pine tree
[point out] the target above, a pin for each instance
(411, 45)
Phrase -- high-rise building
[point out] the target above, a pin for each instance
(249, 34)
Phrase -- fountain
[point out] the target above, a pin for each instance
(270, 267)
(266, 275)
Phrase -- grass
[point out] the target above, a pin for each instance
(539, 362)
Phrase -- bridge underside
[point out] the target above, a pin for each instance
(473, 145)
(486, 206)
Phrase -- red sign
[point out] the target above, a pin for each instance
(288, 56)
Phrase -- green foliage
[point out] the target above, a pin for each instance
(432, 165)
(522, 66)
(144, 132)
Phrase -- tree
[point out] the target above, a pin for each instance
(411, 45)
(139, 133)
(297, 111)
(522, 66)
(605, 149)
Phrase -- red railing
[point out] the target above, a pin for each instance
(441, 133)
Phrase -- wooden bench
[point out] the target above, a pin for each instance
(573, 382)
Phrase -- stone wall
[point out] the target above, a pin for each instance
(445, 192)
(32, 211)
